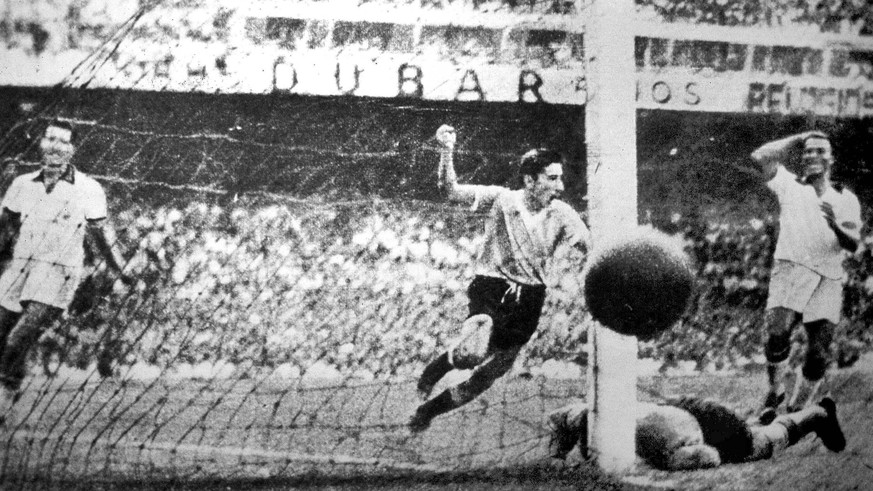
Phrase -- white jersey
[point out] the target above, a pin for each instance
(53, 223)
(805, 237)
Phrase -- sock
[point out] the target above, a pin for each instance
(433, 372)
(440, 404)
(829, 429)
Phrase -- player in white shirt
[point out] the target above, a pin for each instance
(51, 212)
(523, 230)
(818, 225)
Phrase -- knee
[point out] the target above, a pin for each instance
(472, 347)
(495, 365)
(779, 327)
(33, 321)
(816, 364)
(40, 313)
(818, 352)
(778, 347)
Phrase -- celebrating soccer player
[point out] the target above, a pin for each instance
(524, 229)
(817, 222)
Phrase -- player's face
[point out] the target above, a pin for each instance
(817, 157)
(549, 184)
(57, 151)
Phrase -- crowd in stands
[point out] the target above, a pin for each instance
(38, 26)
(841, 16)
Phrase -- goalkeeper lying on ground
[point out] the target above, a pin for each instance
(690, 433)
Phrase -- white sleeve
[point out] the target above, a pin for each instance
(849, 209)
(12, 198)
(781, 180)
(95, 201)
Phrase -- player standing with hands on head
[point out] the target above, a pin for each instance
(523, 230)
(817, 224)
(52, 211)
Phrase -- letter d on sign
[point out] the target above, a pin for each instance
(284, 76)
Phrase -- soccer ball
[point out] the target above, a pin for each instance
(639, 284)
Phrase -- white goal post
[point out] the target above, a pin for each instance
(610, 135)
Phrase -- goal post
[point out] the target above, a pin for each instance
(610, 134)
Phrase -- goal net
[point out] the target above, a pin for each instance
(296, 265)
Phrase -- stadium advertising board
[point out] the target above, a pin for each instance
(464, 53)
(752, 70)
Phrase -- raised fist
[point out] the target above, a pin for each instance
(446, 136)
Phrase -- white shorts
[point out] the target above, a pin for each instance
(802, 290)
(51, 284)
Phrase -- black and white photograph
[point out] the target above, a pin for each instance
(436, 244)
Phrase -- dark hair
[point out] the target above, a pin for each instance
(60, 123)
(534, 161)
(818, 135)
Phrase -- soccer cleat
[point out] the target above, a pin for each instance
(767, 416)
(829, 429)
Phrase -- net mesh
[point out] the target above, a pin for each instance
(296, 268)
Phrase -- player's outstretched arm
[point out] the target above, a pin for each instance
(775, 153)
(448, 179)
(102, 237)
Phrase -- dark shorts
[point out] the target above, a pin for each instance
(515, 313)
(722, 428)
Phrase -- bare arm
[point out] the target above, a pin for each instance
(848, 231)
(102, 237)
(775, 153)
(448, 179)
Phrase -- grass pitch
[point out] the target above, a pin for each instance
(263, 434)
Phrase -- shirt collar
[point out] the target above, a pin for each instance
(521, 206)
(69, 175)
